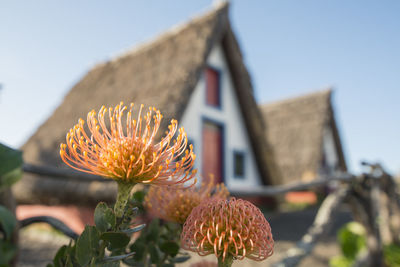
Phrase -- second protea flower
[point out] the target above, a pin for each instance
(175, 205)
(229, 228)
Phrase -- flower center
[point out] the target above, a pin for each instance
(129, 158)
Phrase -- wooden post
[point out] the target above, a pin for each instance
(365, 202)
(392, 207)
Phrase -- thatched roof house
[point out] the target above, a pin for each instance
(304, 136)
(163, 73)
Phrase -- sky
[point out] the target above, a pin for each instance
(290, 48)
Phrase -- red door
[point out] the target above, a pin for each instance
(212, 151)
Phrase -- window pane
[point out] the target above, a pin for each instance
(238, 164)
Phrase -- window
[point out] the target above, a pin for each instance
(238, 164)
(213, 95)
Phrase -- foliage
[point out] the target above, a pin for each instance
(10, 166)
(10, 173)
(158, 245)
(7, 227)
(108, 242)
(352, 240)
(341, 261)
(101, 245)
(392, 255)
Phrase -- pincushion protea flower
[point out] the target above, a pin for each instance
(229, 228)
(175, 205)
(127, 151)
(124, 149)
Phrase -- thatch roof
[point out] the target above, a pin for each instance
(162, 73)
(294, 128)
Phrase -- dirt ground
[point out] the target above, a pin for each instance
(37, 248)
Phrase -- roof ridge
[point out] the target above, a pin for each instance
(327, 91)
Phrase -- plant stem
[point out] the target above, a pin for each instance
(124, 189)
(226, 263)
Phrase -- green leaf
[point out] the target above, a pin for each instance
(60, 255)
(138, 196)
(341, 261)
(168, 265)
(104, 217)
(7, 222)
(171, 248)
(87, 245)
(99, 217)
(7, 252)
(69, 262)
(352, 239)
(116, 240)
(10, 178)
(10, 159)
(392, 255)
(139, 248)
(134, 229)
(64, 255)
(110, 217)
(155, 256)
(153, 231)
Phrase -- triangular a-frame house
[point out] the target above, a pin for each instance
(304, 136)
(193, 73)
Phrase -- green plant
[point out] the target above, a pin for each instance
(10, 166)
(352, 240)
(391, 254)
(7, 227)
(104, 244)
(158, 245)
(10, 173)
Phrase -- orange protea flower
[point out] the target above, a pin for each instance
(175, 205)
(229, 228)
(125, 149)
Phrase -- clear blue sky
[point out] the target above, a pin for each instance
(290, 48)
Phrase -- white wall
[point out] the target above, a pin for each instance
(235, 133)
